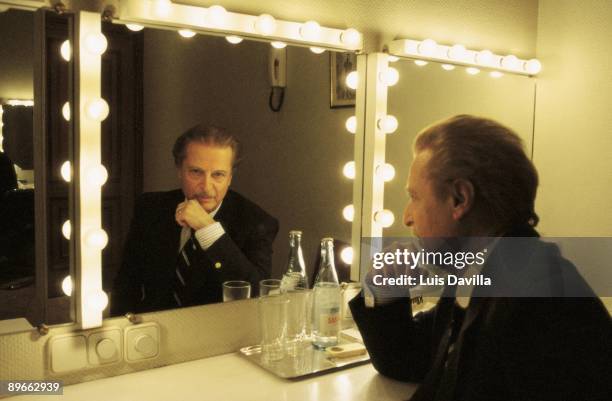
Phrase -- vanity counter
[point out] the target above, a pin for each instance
(231, 377)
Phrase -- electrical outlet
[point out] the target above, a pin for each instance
(141, 341)
(67, 352)
(104, 346)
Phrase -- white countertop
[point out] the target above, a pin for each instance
(231, 377)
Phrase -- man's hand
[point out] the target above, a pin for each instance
(191, 213)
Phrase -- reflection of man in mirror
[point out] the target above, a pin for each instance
(471, 182)
(184, 244)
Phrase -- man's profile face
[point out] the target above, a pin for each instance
(206, 173)
(429, 215)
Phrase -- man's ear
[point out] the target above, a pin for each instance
(462, 193)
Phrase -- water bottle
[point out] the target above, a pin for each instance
(327, 298)
(295, 276)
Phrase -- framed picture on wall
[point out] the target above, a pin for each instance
(341, 64)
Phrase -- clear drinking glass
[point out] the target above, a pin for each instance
(298, 316)
(272, 311)
(236, 290)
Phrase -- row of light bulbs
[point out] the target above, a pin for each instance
(387, 124)
(97, 110)
(350, 33)
(458, 54)
(265, 25)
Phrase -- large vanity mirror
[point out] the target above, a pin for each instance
(294, 146)
(35, 92)
(428, 92)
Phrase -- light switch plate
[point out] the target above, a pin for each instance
(105, 346)
(67, 352)
(142, 341)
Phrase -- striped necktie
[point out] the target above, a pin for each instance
(184, 270)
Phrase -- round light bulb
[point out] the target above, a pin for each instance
(420, 63)
(448, 67)
(97, 109)
(392, 59)
(533, 66)
(66, 50)
(163, 8)
(278, 45)
(67, 229)
(233, 39)
(97, 239)
(352, 79)
(216, 15)
(484, 57)
(510, 62)
(97, 175)
(496, 74)
(67, 285)
(457, 52)
(351, 124)
(472, 70)
(265, 24)
(349, 170)
(347, 255)
(350, 37)
(66, 171)
(66, 111)
(186, 33)
(348, 213)
(428, 47)
(97, 300)
(310, 30)
(384, 217)
(387, 124)
(317, 50)
(389, 77)
(385, 172)
(96, 43)
(134, 27)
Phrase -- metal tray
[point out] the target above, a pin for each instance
(308, 361)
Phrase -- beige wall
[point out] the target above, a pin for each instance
(16, 55)
(573, 127)
(573, 132)
(292, 160)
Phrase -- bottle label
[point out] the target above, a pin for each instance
(329, 322)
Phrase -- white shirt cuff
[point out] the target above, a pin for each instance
(207, 236)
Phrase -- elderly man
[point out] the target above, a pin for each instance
(527, 337)
(183, 244)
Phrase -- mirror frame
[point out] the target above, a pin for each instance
(376, 109)
(412, 50)
(91, 300)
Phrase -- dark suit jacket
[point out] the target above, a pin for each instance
(547, 348)
(145, 279)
